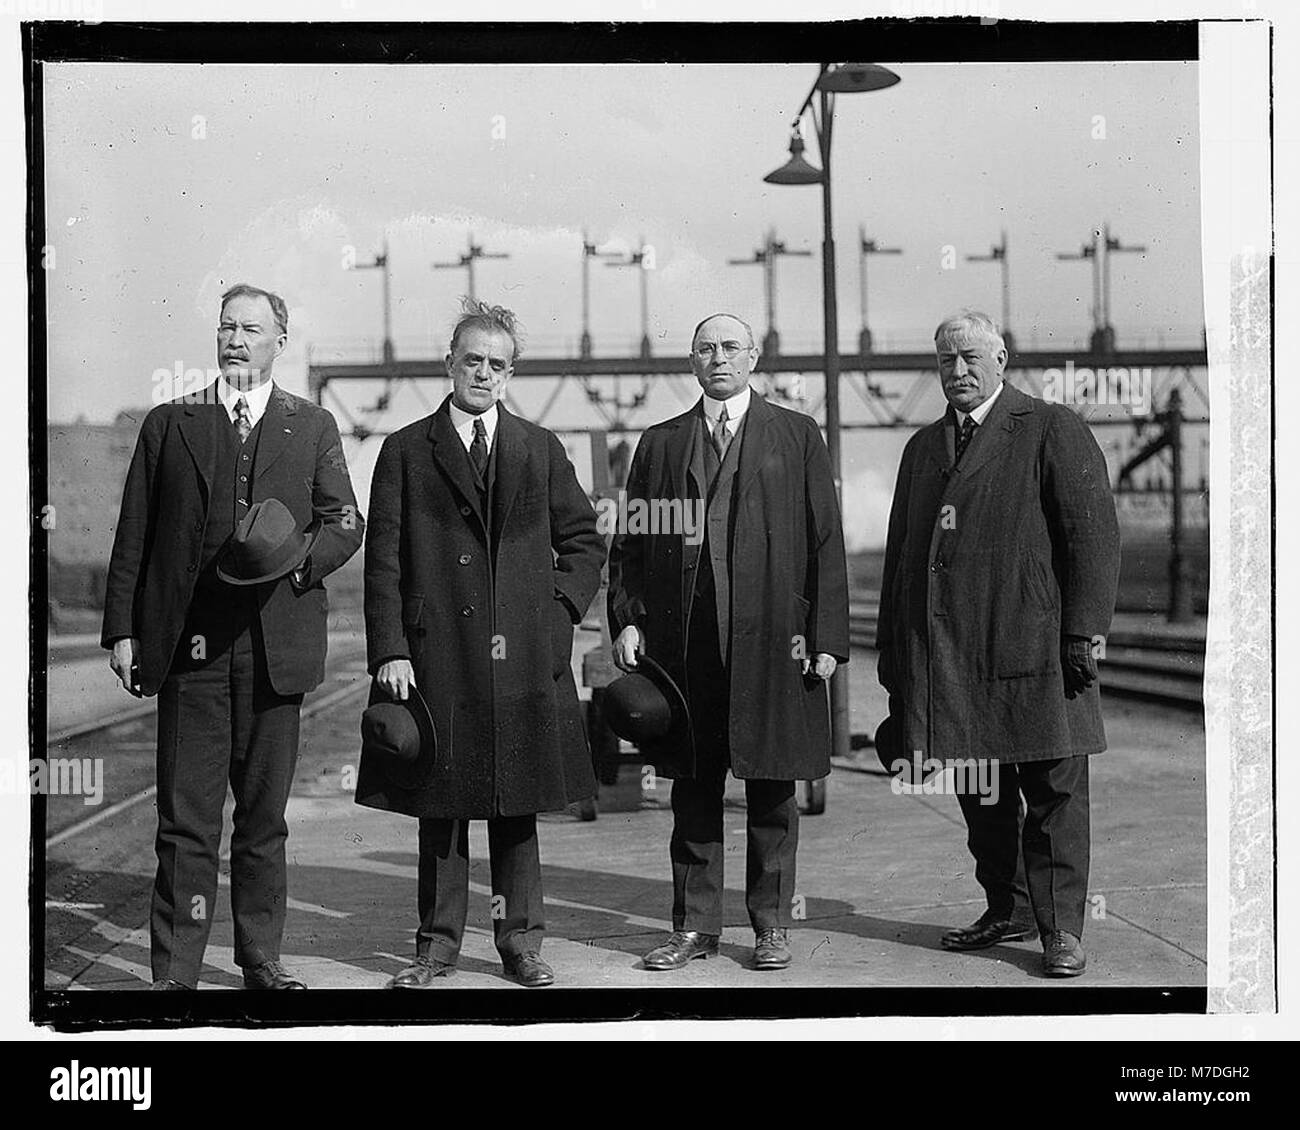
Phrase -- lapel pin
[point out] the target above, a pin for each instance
(287, 432)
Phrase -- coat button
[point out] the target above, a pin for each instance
(198, 527)
(189, 568)
(464, 559)
(466, 511)
(243, 478)
(468, 610)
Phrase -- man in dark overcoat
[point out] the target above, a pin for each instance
(745, 605)
(482, 553)
(999, 584)
(230, 662)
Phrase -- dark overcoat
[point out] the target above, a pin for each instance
(159, 540)
(483, 605)
(988, 564)
(789, 584)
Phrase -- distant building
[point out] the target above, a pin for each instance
(87, 470)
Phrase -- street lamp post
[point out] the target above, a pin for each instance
(841, 78)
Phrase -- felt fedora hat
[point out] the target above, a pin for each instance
(400, 737)
(907, 767)
(265, 546)
(647, 707)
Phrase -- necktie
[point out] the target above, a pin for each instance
(243, 421)
(478, 450)
(963, 438)
(721, 437)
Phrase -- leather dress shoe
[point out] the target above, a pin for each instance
(168, 983)
(1063, 955)
(684, 946)
(421, 973)
(270, 975)
(772, 948)
(987, 930)
(529, 970)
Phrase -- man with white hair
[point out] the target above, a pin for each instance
(999, 583)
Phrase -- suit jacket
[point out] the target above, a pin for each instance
(159, 540)
(789, 583)
(483, 603)
(987, 565)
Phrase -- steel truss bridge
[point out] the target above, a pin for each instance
(895, 406)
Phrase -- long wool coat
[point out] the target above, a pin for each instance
(987, 566)
(789, 585)
(483, 605)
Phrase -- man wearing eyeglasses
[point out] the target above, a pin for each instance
(750, 621)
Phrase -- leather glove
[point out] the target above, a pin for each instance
(1078, 665)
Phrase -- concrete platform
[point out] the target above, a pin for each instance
(880, 877)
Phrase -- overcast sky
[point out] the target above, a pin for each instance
(167, 183)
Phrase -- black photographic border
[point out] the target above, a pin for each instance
(399, 44)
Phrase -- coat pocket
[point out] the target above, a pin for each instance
(412, 614)
(801, 607)
(1025, 629)
(561, 638)
(1041, 584)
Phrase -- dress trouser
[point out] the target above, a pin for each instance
(518, 917)
(221, 724)
(772, 813)
(1034, 859)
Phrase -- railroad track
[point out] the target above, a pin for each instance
(124, 743)
(1136, 665)
(1165, 669)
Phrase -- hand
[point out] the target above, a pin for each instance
(123, 660)
(396, 678)
(821, 666)
(630, 641)
(1078, 665)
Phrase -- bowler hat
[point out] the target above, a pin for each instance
(646, 707)
(911, 768)
(400, 735)
(266, 545)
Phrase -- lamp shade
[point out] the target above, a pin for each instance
(849, 78)
(796, 170)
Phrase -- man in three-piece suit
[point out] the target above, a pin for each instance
(999, 582)
(749, 620)
(237, 504)
(482, 554)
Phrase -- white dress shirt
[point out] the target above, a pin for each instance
(736, 407)
(257, 398)
(978, 414)
(463, 422)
